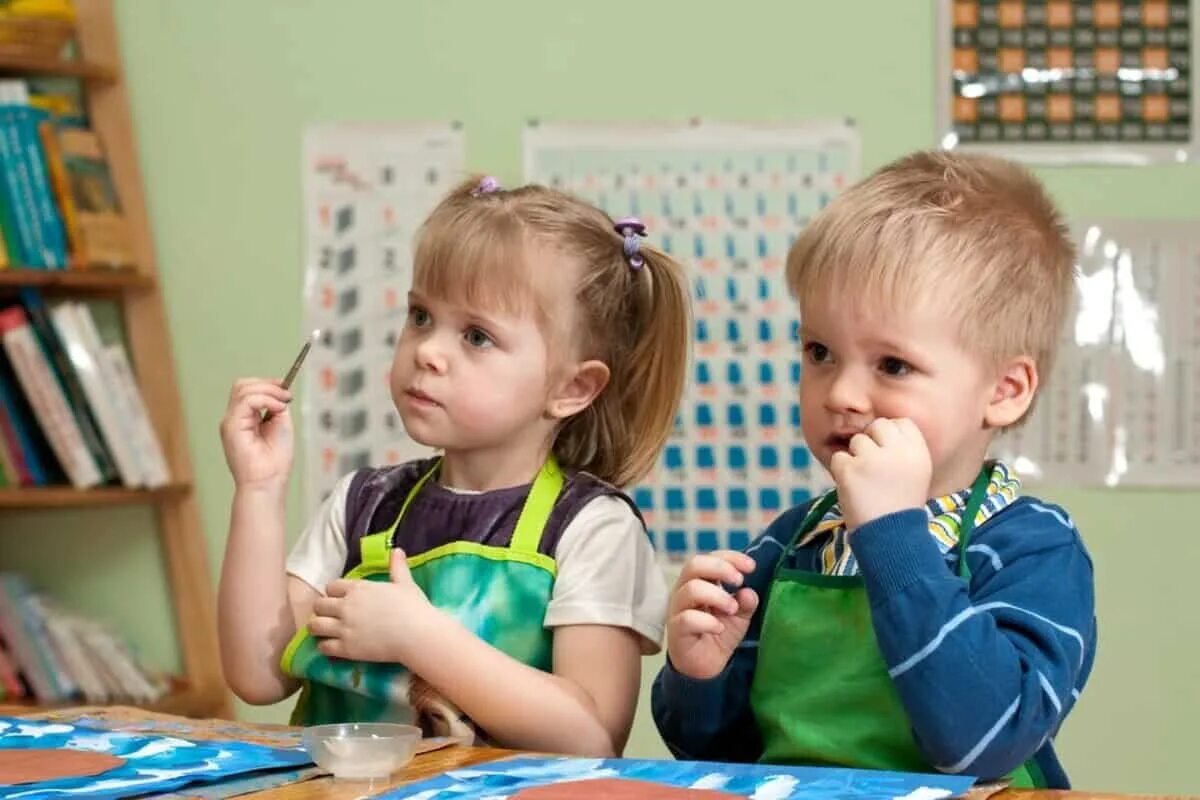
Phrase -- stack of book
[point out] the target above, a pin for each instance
(53, 656)
(58, 203)
(70, 407)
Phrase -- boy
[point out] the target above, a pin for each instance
(923, 615)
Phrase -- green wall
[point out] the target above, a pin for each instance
(222, 90)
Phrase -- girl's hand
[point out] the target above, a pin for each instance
(364, 620)
(259, 454)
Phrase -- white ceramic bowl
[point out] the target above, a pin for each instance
(361, 751)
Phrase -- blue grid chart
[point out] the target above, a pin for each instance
(366, 191)
(727, 201)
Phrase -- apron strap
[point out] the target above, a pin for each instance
(979, 493)
(375, 550)
(810, 521)
(538, 505)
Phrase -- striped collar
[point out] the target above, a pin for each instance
(945, 520)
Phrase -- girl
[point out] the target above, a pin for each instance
(544, 356)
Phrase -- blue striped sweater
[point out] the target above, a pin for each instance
(987, 671)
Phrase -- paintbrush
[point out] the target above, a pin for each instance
(295, 368)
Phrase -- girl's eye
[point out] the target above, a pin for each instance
(419, 316)
(476, 337)
(895, 367)
(817, 353)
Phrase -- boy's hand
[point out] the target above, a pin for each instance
(373, 620)
(888, 469)
(704, 622)
(259, 453)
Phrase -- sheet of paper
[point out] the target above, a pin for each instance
(367, 189)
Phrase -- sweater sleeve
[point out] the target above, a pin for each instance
(986, 672)
(711, 720)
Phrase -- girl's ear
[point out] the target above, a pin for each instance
(577, 389)
(1013, 394)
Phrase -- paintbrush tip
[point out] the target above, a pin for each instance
(316, 334)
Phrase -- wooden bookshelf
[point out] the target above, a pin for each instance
(200, 689)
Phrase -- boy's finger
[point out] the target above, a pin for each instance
(698, 593)
(861, 443)
(692, 622)
(710, 567)
(747, 602)
(740, 560)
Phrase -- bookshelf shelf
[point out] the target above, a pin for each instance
(67, 497)
(11, 64)
(183, 700)
(76, 281)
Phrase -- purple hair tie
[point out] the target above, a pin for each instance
(631, 228)
(487, 185)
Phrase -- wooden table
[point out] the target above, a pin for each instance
(439, 761)
(431, 764)
(423, 766)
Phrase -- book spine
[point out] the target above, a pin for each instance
(60, 366)
(48, 219)
(149, 448)
(115, 429)
(47, 400)
(15, 201)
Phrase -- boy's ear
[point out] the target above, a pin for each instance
(1013, 394)
(578, 388)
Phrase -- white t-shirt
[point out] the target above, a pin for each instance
(607, 572)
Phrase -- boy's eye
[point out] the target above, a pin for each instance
(817, 353)
(477, 337)
(419, 316)
(894, 366)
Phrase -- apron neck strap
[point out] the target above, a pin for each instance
(811, 520)
(538, 505)
(979, 493)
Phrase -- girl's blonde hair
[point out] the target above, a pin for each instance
(474, 247)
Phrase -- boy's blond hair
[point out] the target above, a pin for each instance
(974, 233)
(475, 246)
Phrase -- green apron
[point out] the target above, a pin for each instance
(821, 692)
(498, 593)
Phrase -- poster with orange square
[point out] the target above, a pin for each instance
(1065, 81)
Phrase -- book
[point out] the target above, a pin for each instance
(24, 164)
(150, 451)
(60, 365)
(29, 658)
(95, 377)
(104, 237)
(61, 185)
(26, 441)
(46, 398)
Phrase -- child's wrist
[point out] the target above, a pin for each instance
(274, 489)
(424, 622)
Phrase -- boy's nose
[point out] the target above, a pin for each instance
(848, 394)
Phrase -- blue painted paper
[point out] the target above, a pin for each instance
(153, 763)
(502, 779)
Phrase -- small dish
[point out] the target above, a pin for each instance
(361, 751)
